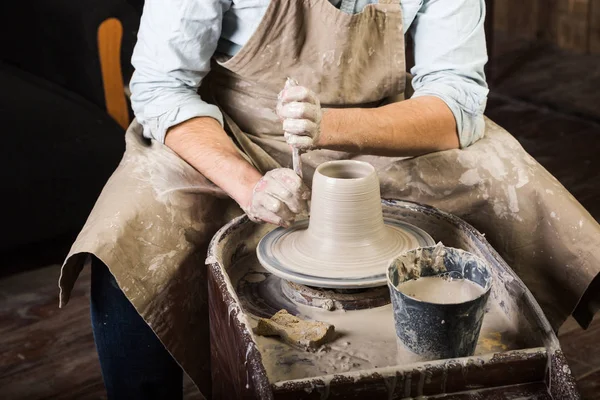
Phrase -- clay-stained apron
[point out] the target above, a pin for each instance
(156, 215)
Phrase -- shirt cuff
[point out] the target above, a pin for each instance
(467, 108)
(156, 128)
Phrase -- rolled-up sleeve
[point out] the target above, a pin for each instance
(176, 41)
(450, 53)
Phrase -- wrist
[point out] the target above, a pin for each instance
(204, 144)
(245, 189)
(340, 128)
(324, 139)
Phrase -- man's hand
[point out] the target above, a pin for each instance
(278, 197)
(300, 110)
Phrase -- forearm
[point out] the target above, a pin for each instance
(203, 143)
(408, 128)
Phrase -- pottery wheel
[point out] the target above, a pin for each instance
(283, 253)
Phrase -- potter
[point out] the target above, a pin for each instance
(208, 143)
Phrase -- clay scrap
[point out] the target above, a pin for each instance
(309, 335)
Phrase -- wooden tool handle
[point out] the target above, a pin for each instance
(297, 161)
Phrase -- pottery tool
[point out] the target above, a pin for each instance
(296, 152)
(309, 335)
(297, 161)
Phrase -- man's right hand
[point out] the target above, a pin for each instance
(275, 198)
(278, 197)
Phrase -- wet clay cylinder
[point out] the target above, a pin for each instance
(346, 221)
(347, 243)
(444, 327)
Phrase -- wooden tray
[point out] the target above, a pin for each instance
(536, 370)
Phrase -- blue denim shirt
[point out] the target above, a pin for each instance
(177, 39)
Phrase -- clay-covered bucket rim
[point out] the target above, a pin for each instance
(392, 266)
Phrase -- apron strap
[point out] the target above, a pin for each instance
(253, 153)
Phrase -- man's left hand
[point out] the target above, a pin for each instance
(300, 110)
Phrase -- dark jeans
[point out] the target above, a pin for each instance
(135, 365)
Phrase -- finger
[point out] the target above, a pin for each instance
(289, 82)
(303, 127)
(270, 217)
(288, 178)
(253, 217)
(278, 207)
(294, 184)
(293, 139)
(306, 194)
(300, 142)
(279, 192)
(292, 200)
(298, 110)
(298, 93)
(302, 204)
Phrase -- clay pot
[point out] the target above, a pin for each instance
(346, 221)
(347, 244)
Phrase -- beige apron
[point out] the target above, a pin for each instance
(156, 215)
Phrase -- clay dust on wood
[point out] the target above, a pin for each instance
(366, 338)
